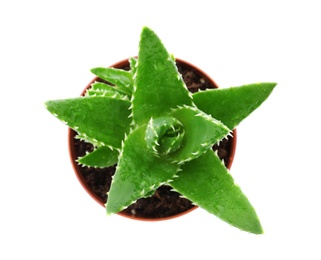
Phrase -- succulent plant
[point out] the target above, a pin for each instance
(157, 132)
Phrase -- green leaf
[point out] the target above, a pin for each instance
(201, 132)
(133, 65)
(158, 85)
(102, 89)
(207, 183)
(102, 121)
(138, 172)
(232, 105)
(101, 157)
(122, 79)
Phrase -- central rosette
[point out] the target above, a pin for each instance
(164, 135)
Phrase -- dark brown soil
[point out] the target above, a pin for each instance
(164, 203)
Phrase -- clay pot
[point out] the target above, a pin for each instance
(165, 204)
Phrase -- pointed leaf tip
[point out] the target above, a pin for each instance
(207, 183)
(99, 120)
(232, 105)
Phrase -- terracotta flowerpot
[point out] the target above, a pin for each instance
(164, 204)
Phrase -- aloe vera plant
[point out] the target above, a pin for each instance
(157, 132)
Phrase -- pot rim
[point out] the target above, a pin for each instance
(76, 166)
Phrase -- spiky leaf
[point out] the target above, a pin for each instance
(207, 183)
(138, 172)
(102, 121)
(158, 85)
(101, 157)
(232, 105)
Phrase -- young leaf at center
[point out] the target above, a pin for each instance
(201, 132)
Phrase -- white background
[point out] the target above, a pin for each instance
(46, 51)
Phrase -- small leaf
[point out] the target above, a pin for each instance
(104, 93)
(201, 132)
(101, 157)
(122, 79)
(159, 86)
(133, 65)
(207, 183)
(102, 89)
(138, 172)
(98, 120)
(232, 105)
